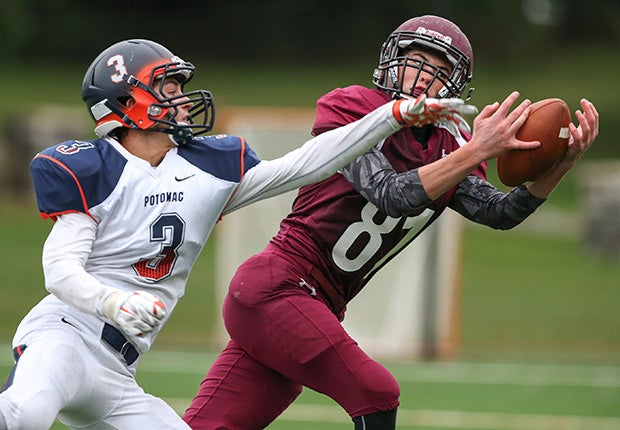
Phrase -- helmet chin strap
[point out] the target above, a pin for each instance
(173, 140)
(179, 135)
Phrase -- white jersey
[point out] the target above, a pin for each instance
(152, 222)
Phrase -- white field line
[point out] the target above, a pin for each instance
(307, 413)
(440, 372)
(197, 363)
(511, 374)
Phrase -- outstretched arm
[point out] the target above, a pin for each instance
(325, 154)
(399, 194)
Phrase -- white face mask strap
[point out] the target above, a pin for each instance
(171, 137)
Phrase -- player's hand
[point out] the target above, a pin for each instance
(135, 313)
(422, 110)
(582, 137)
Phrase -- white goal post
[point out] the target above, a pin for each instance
(410, 309)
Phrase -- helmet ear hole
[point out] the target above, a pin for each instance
(126, 101)
(119, 133)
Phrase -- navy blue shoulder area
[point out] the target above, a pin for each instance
(225, 157)
(75, 175)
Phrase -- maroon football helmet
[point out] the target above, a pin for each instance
(430, 33)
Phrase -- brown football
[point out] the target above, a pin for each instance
(548, 123)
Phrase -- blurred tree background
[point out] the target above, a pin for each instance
(308, 31)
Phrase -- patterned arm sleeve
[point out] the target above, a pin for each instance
(479, 201)
(395, 194)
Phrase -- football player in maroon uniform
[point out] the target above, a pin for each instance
(285, 304)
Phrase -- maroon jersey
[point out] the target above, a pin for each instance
(337, 230)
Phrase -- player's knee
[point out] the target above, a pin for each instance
(379, 391)
(381, 383)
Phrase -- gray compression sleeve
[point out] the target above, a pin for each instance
(400, 194)
(481, 202)
(395, 194)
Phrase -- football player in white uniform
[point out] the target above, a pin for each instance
(132, 211)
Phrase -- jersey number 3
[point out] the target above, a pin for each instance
(169, 230)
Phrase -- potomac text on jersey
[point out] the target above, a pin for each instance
(170, 196)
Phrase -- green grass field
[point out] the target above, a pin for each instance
(442, 395)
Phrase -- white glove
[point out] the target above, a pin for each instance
(135, 313)
(422, 110)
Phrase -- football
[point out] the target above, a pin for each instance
(548, 123)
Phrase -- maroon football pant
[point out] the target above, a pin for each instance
(283, 338)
